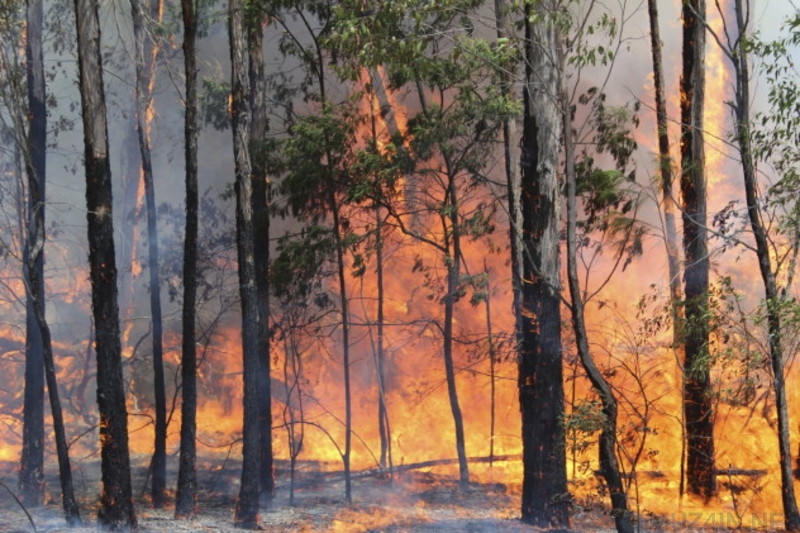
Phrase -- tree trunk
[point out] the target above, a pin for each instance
(774, 329)
(187, 471)
(380, 356)
(545, 500)
(117, 500)
(511, 143)
(607, 444)
(697, 394)
(453, 275)
(258, 130)
(668, 203)
(39, 362)
(345, 314)
(247, 506)
(68, 502)
(31, 472)
(146, 52)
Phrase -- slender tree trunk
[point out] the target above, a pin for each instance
(146, 52)
(492, 364)
(545, 499)
(247, 506)
(453, 275)
(31, 472)
(345, 310)
(607, 444)
(697, 397)
(668, 203)
(511, 159)
(383, 414)
(258, 130)
(39, 362)
(187, 471)
(743, 122)
(117, 499)
(68, 502)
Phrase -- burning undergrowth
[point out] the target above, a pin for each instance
(413, 499)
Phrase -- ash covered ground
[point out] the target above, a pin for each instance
(428, 500)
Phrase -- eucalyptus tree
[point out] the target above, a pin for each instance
(247, 504)
(146, 51)
(254, 27)
(117, 499)
(186, 493)
(313, 162)
(28, 141)
(318, 155)
(24, 97)
(429, 51)
(697, 390)
(770, 138)
(540, 379)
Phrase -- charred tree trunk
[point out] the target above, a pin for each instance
(187, 470)
(247, 506)
(117, 500)
(258, 130)
(697, 400)
(39, 361)
(145, 57)
(668, 202)
(743, 122)
(545, 500)
(31, 472)
(68, 502)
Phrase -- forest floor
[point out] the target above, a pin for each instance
(413, 501)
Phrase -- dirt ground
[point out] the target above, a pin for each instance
(413, 501)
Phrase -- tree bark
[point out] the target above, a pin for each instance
(609, 467)
(697, 394)
(384, 428)
(774, 327)
(116, 502)
(453, 262)
(31, 472)
(187, 470)
(258, 130)
(545, 500)
(146, 52)
(668, 204)
(247, 505)
(39, 362)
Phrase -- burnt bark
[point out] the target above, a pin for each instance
(258, 130)
(186, 496)
(545, 500)
(116, 502)
(741, 107)
(145, 57)
(697, 393)
(39, 361)
(247, 505)
(68, 502)
(31, 473)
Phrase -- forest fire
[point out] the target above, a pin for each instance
(417, 314)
